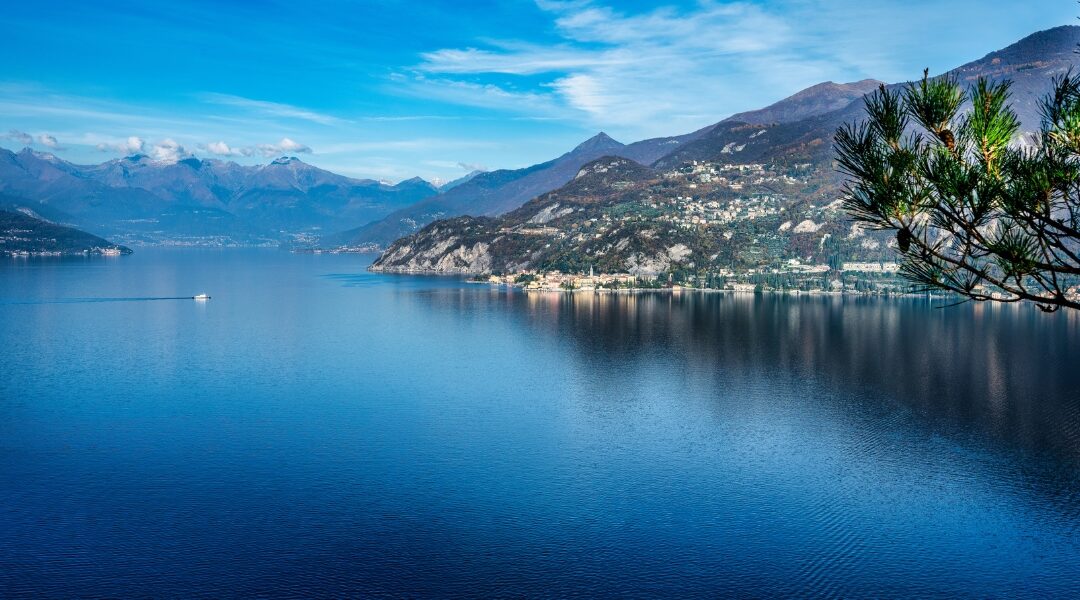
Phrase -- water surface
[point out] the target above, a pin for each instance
(318, 430)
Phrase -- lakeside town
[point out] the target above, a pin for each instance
(794, 277)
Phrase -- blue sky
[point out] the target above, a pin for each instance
(390, 89)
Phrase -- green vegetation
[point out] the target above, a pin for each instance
(973, 212)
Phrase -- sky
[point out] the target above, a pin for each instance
(391, 90)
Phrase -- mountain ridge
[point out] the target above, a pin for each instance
(741, 195)
(193, 196)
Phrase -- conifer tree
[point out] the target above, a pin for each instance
(977, 208)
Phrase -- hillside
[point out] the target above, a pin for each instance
(740, 197)
(499, 191)
(618, 216)
(22, 235)
(490, 193)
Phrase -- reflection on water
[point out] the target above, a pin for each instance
(319, 430)
(1005, 371)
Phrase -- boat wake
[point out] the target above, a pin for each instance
(95, 300)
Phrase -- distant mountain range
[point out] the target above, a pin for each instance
(153, 201)
(137, 199)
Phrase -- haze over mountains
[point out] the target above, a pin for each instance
(136, 199)
(156, 201)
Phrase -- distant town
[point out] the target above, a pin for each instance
(794, 277)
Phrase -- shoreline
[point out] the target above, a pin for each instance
(681, 290)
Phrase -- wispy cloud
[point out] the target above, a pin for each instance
(646, 72)
(479, 95)
(423, 144)
(649, 72)
(21, 137)
(274, 109)
(46, 140)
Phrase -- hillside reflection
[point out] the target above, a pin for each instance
(999, 372)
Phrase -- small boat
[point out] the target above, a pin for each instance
(200, 297)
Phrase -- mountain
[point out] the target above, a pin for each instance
(795, 130)
(23, 234)
(505, 192)
(648, 151)
(1028, 63)
(460, 180)
(33, 209)
(619, 216)
(160, 200)
(815, 100)
(489, 193)
(739, 196)
(521, 237)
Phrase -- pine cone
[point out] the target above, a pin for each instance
(948, 139)
(903, 239)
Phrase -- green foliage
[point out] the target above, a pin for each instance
(934, 103)
(974, 212)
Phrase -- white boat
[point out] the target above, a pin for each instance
(200, 297)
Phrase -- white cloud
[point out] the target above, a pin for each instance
(286, 145)
(49, 141)
(23, 138)
(168, 150)
(131, 145)
(221, 149)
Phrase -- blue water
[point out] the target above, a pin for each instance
(315, 430)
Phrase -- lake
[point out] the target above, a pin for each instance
(315, 429)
